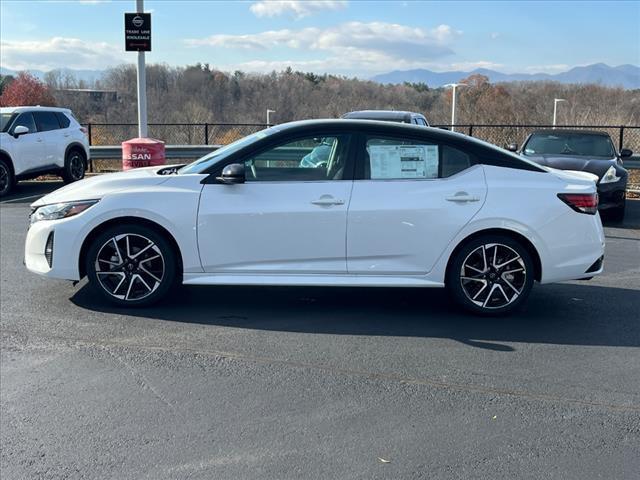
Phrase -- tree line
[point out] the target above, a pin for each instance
(202, 94)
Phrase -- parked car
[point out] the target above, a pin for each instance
(389, 116)
(39, 140)
(585, 151)
(394, 206)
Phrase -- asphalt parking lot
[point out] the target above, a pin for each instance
(279, 383)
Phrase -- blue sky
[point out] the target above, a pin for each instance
(347, 37)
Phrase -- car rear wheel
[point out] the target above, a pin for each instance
(74, 166)
(7, 180)
(491, 275)
(131, 265)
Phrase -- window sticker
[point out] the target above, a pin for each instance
(403, 161)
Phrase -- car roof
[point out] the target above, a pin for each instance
(394, 115)
(36, 108)
(560, 131)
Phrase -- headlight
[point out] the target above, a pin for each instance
(610, 176)
(56, 211)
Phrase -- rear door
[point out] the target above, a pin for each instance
(410, 200)
(52, 136)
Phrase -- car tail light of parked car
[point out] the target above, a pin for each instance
(581, 202)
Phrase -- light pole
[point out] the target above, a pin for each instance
(268, 113)
(555, 109)
(453, 102)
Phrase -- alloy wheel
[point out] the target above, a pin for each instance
(4, 178)
(493, 276)
(76, 166)
(130, 267)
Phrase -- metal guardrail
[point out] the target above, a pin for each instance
(178, 152)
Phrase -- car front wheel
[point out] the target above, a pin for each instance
(491, 275)
(131, 265)
(7, 179)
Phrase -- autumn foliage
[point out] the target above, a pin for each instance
(26, 90)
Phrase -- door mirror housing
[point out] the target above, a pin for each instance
(232, 174)
(512, 147)
(20, 130)
(626, 153)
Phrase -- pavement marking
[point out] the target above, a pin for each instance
(23, 198)
(393, 377)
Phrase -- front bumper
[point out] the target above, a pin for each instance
(64, 262)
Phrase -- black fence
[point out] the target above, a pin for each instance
(222, 133)
(106, 134)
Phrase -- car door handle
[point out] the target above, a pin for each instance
(39, 140)
(462, 197)
(327, 201)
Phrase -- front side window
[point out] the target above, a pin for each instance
(46, 121)
(405, 159)
(25, 120)
(305, 159)
(5, 121)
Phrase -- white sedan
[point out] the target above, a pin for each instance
(327, 203)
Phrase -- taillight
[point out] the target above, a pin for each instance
(581, 202)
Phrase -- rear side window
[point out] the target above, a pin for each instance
(25, 120)
(63, 120)
(405, 159)
(46, 121)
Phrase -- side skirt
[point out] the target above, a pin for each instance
(309, 280)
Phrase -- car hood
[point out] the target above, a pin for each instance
(100, 185)
(597, 166)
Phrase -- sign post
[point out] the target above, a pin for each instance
(137, 38)
(141, 151)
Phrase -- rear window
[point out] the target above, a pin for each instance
(570, 144)
(46, 121)
(63, 120)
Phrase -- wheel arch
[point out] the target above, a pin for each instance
(526, 243)
(77, 146)
(122, 221)
(5, 156)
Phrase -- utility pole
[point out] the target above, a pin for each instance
(142, 86)
(555, 109)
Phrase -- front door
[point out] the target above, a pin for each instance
(289, 217)
(29, 147)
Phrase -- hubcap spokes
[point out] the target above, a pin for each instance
(77, 167)
(129, 266)
(493, 275)
(4, 178)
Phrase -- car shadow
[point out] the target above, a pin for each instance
(569, 313)
(631, 217)
(30, 191)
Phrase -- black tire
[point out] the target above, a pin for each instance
(472, 276)
(146, 279)
(7, 178)
(75, 166)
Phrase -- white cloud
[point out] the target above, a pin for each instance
(60, 51)
(349, 47)
(297, 8)
(494, 35)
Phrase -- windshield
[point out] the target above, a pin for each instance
(573, 144)
(210, 159)
(4, 121)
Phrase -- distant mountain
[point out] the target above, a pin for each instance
(626, 76)
(86, 75)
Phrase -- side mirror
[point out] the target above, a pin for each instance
(512, 147)
(625, 153)
(232, 174)
(20, 130)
